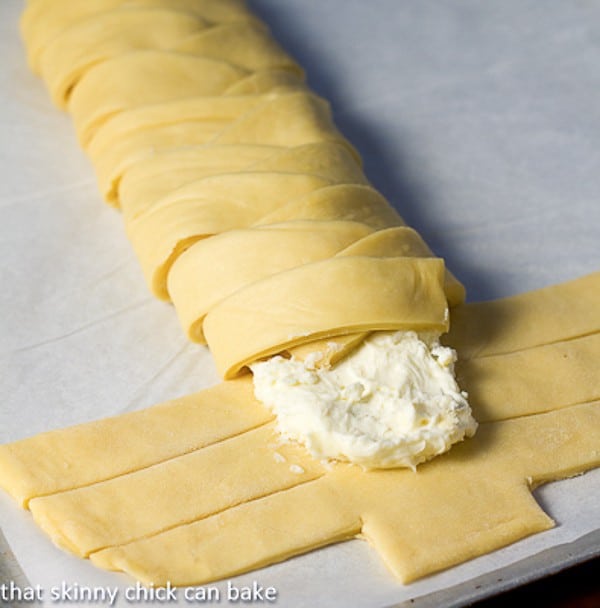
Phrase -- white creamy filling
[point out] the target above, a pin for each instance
(392, 402)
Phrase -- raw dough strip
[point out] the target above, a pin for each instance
(533, 380)
(44, 20)
(136, 135)
(77, 456)
(147, 77)
(227, 201)
(334, 297)
(152, 178)
(550, 314)
(180, 490)
(68, 56)
(487, 504)
(237, 258)
(144, 78)
(214, 205)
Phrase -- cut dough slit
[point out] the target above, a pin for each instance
(490, 510)
(51, 462)
(183, 489)
(533, 380)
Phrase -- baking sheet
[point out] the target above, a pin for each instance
(479, 121)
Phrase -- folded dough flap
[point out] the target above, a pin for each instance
(137, 133)
(326, 157)
(398, 241)
(219, 109)
(289, 119)
(109, 34)
(487, 504)
(145, 77)
(206, 207)
(43, 21)
(338, 296)
(78, 456)
(154, 177)
(356, 202)
(247, 44)
(214, 268)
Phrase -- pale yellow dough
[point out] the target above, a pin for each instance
(139, 133)
(135, 440)
(147, 77)
(250, 211)
(44, 20)
(471, 501)
(337, 296)
(218, 514)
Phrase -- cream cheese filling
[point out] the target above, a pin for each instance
(392, 402)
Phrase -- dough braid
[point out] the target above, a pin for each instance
(199, 125)
(251, 213)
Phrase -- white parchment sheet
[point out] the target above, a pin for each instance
(480, 121)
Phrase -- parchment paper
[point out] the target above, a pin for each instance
(480, 121)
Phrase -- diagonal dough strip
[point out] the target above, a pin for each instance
(144, 77)
(43, 21)
(137, 134)
(237, 258)
(154, 177)
(338, 296)
(90, 42)
(207, 207)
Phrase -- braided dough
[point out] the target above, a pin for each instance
(218, 514)
(250, 213)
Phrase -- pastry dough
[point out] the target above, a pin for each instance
(139, 133)
(337, 296)
(68, 56)
(211, 527)
(44, 20)
(550, 314)
(470, 501)
(145, 77)
(152, 436)
(250, 211)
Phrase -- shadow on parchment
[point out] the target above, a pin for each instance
(382, 167)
